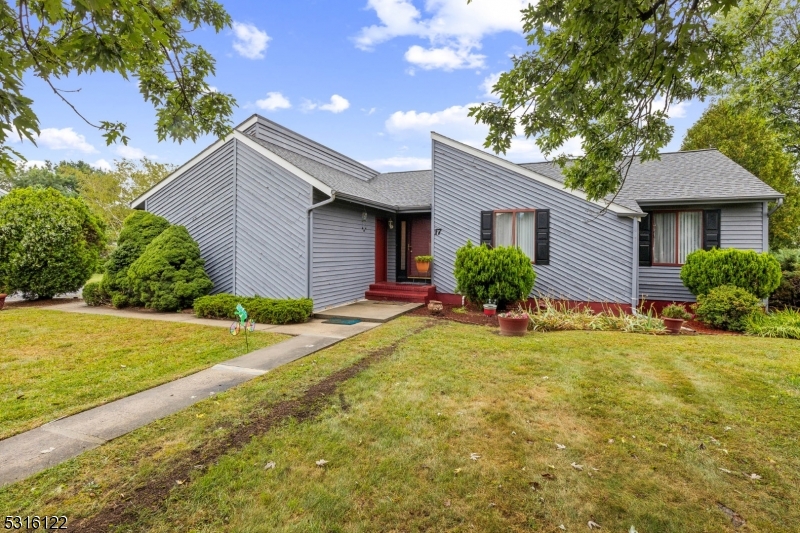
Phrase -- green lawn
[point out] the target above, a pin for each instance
(665, 430)
(54, 364)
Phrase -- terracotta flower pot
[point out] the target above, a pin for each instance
(2, 300)
(435, 307)
(423, 267)
(513, 327)
(673, 325)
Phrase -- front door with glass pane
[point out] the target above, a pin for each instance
(413, 239)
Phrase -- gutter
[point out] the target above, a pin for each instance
(710, 200)
(778, 204)
(309, 221)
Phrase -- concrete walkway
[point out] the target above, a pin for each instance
(33, 451)
(369, 310)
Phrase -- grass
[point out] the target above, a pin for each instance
(54, 364)
(665, 428)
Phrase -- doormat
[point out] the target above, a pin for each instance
(342, 321)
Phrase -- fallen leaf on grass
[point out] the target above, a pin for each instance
(560, 446)
(322, 462)
(736, 518)
(179, 482)
(201, 415)
(755, 476)
(474, 456)
(576, 466)
(447, 503)
(562, 527)
(632, 530)
(726, 470)
(457, 470)
(611, 441)
(594, 525)
(548, 475)
(270, 465)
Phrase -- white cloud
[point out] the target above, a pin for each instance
(452, 27)
(399, 163)
(31, 163)
(675, 110)
(102, 164)
(336, 105)
(455, 123)
(64, 139)
(489, 82)
(273, 101)
(445, 58)
(129, 152)
(249, 41)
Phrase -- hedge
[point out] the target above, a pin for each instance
(728, 307)
(759, 273)
(262, 310)
(94, 295)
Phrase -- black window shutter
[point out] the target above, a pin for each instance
(712, 222)
(542, 245)
(646, 241)
(487, 227)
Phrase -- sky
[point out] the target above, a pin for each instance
(368, 78)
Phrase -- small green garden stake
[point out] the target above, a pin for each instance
(242, 324)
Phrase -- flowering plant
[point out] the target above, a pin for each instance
(519, 313)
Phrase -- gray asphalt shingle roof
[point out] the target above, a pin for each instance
(699, 175)
(393, 189)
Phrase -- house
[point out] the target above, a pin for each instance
(279, 215)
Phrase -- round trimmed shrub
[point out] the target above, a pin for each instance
(169, 275)
(759, 273)
(503, 274)
(93, 294)
(49, 244)
(727, 307)
(138, 230)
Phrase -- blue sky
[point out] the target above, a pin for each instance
(369, 78)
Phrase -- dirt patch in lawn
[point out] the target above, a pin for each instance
(154, 492)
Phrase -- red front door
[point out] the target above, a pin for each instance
(419, 243)
(380, 250)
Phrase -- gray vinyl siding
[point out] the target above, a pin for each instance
(285, 138)
(742, 227)
(391, 255)
(271, 228)
(202, 200)
(343, 254)
(591, 256)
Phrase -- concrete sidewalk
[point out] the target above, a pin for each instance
(33, 451)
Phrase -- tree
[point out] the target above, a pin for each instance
(608, 72)
(49, 243)
(169, 275)
(47, 176)
(109, 193)
(745, 136)
(769, 78)
(145, 40)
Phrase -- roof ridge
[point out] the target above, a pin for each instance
(316, 143)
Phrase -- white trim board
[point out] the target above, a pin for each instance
(508, 165)
(247, 141)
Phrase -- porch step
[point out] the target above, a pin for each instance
(401, 292)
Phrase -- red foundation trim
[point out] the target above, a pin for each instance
(455, 299)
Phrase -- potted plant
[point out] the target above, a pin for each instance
(673, 316)
(490, 307)
(513, 323)
(423, 263)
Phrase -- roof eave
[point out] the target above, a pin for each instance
(708, 200)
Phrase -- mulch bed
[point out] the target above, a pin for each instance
(471, 315)
(38, 303)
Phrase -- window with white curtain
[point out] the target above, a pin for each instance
(516, 228)
(676, 234)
